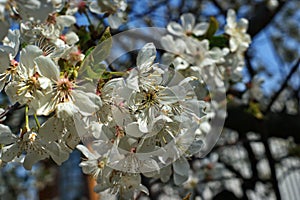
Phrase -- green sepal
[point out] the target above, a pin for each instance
(213, 27)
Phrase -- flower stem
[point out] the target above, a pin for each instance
(37, 121)
(88, 17)
(117, 73)
(26, 118)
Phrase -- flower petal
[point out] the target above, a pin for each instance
(88, 103)
(200, 29)
(133, 130)
(175, 29)
(231, 18)
(146, 57)
(71, 38)
(4, 60)
(188, 21)
(47, 68)
(6, 136)
(65, 20)
(181, 166)
(27, 56)
(57, 153)
(9, 152)
(32, 158)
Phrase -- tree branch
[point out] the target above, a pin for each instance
(283, 86)
(263, 16)
(280, 125)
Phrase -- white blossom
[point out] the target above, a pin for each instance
(31, 85)
(239, 39)
(115, 8)
(188, 26)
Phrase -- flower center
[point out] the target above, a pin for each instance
(30, 86)
(150, 98)
(101, 164)
(32, 137)
(64, 88)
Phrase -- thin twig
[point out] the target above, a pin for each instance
(249, 65)
(216, 3)
(283, 86)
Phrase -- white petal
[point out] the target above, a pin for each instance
(132, 81)
(146, 57)
(188, 21)
(180, 63)
(121, 116)
(45, 83)
(86, 152)
(66, 110)
(4, 29)
(95, 129)
(27, 56)
(195, 147)
(9, 152)
(47, 105)
(65, 20)
(234, 44)
(6, 136)
(4, 60)
(71, 137)
(205, 127)
(94, 7)
(243, 25)
(145, 124)
(171, 95)
(88, 103)
(179, 180)
(71, 38)
(52, 129)
(58, 154)
(37, 9)
(142, 188)
(231, 18)
(31, 159)
(165, 174)
(132, 129)
(47, 67)
(115, 21)
(200, 29)
(181, 166)
(13, 37)
(168, 43)
(175, 29)
(11, 91)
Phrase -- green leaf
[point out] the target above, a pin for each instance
(95, 73)
(90, 50)
(254, 109)
(294, 150)
(213, 27)
(106, 35)
(92, 67)
(219, 41)
(84, 36)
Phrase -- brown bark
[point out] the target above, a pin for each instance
(91, 184)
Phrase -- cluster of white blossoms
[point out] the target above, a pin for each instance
(193, 48)
(146, 121)
(37, 11)
(36, 83)
(149, 122)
